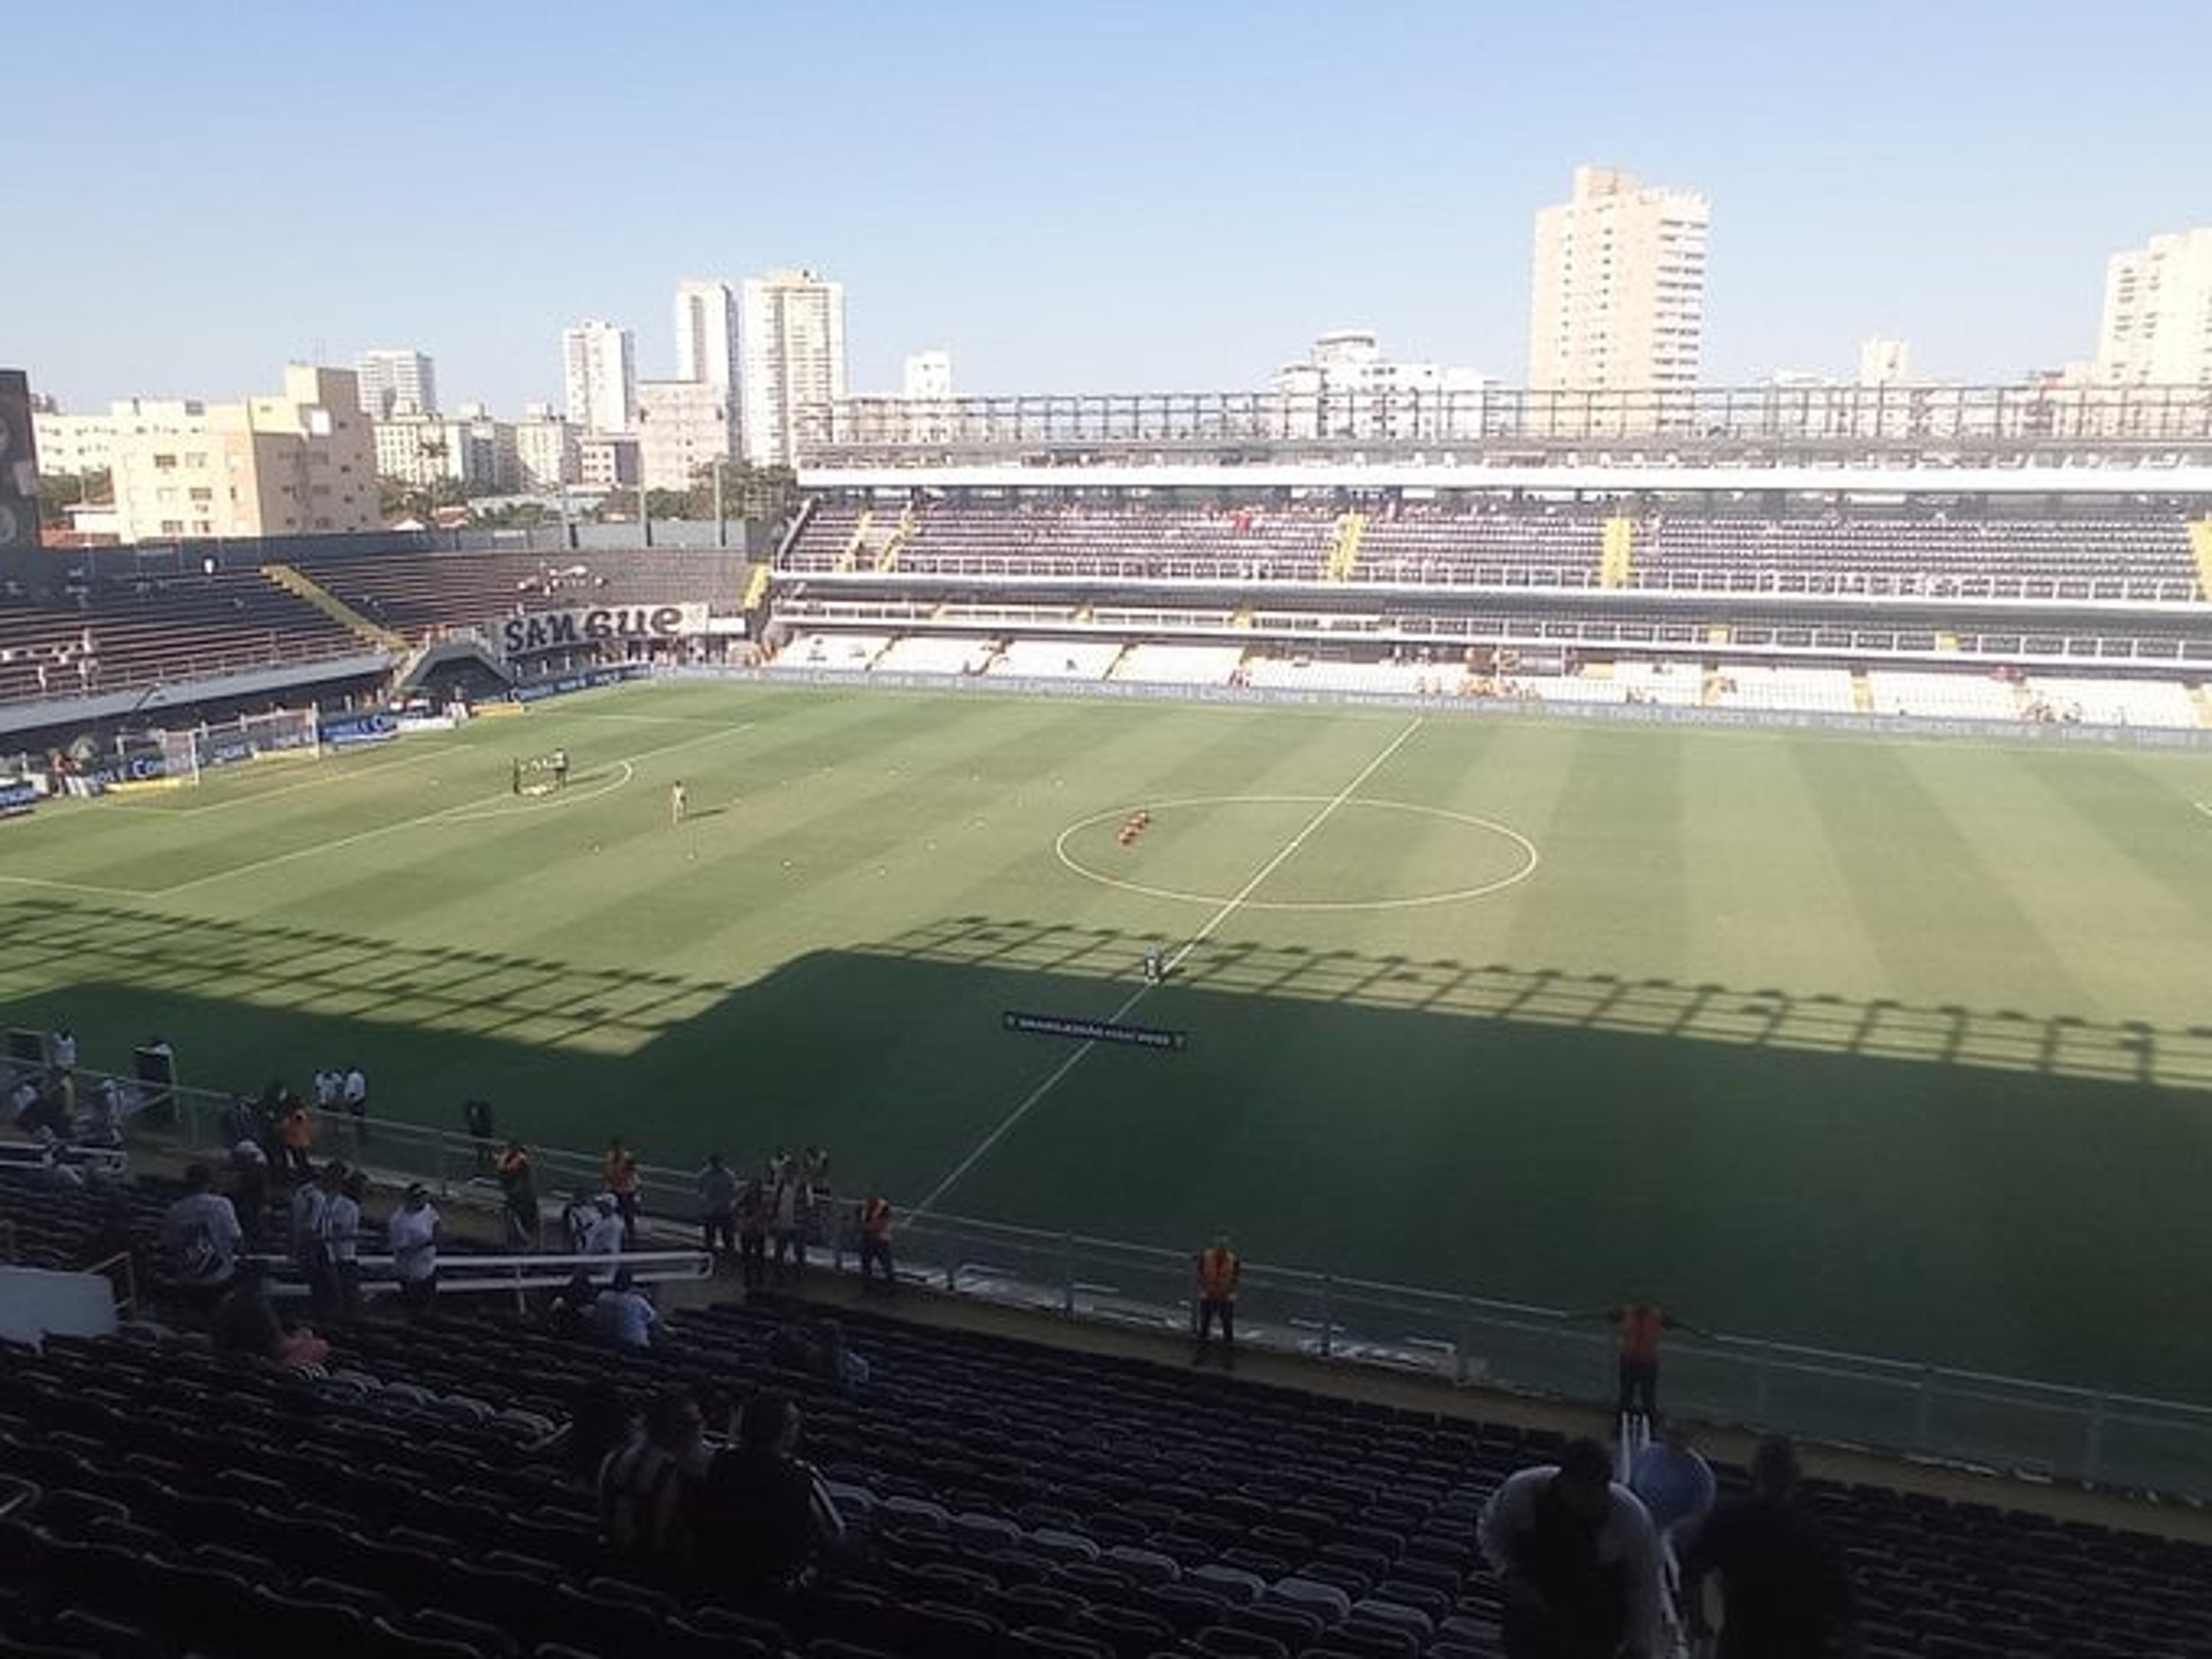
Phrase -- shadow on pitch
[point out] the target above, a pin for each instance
(1971, 1186)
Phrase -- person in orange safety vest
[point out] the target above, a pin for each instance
(876, 1242)
(1217, 1273)
(1637, 1328)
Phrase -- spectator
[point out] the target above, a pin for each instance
(1577, 1559)
(295, 1132)
(718, 1210)
(623, 1315)
(241, 1122)
(621, 1170)
(752, 1235)
(244, 1322)
(577, 1216)
(606, 1235)
(477, 1114)
(104, 1122)
(64, 1049)
(340, 1235)
(309, 1200)
(1785, 1593)
(765, 1516)
(646, 1488)
(570, 1308)
(1673, 1483)
(1219, 1270)
(518, 1187)
(875, 1223)
(355, 1092)
(412, 1236)
(196, 1247)
(788, 1220)
(603, 1421)
(326, 1090)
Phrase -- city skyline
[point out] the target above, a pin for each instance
(1884, 171)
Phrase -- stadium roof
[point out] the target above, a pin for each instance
(2135, 479)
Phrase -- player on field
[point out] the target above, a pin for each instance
(560, 768)
(676, 802)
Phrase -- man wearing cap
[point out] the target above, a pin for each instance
(1219, 1270)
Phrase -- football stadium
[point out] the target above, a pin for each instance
(1489, 881)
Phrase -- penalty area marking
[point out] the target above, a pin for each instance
(1529, 856)
(558, 798)
(2203, 806)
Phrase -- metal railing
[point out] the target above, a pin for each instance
(1887, 1406)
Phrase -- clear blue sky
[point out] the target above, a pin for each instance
(1069, 197)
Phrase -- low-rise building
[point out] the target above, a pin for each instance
(298, 462)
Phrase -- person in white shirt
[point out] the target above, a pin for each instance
(354, 1091)
(341, 1236)
(412, 1236)
(1577, 1558)
(326, 1090)
(623, 1315)
(64, 1050)
(197, 1248)
(606, 1234)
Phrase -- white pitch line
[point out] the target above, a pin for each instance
(2203, 806)
(1228, 908)
(322, 782)
(444, 814)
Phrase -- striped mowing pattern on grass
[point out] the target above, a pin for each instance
(1891, 1047)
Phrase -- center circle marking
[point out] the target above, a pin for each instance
(1529, 856)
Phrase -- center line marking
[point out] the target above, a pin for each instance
(1228, 908)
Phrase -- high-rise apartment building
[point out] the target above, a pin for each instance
(707, 334)
(301, 462)
(599, 363)
(2157, 328)
(1619, 300)
(792, 359)
(471, 448)
(397, 383)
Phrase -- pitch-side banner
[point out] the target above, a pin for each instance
(546, 631)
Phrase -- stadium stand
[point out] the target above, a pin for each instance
(1071, 660)
(1763, 686)
(416, 593)
(937, 654)
(1949, 696)
(1014, 1500)
(170, 629)
(2111, 702)
(849, 652)
(1179, 664)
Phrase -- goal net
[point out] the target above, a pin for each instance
(178, 758)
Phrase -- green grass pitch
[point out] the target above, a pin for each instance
(1872, 1044)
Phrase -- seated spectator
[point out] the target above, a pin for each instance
(570, 1308)
(195, 1251)
(1785, 1592)
(623, 1315)
(245, 1322)
(1577, 1559)
(765, 1516)
(1674, 1484)
(645, 1497)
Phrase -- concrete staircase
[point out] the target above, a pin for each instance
(296, 581)
(1617, 554)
